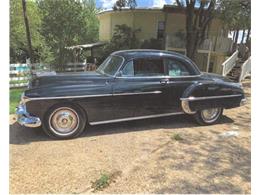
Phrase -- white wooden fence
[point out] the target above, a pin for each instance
(229, 63)
(245, 69)
(20, 73)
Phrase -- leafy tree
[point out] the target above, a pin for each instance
(199, 14)
(124, 3)
(236, 15)
(152, 44)
(124, 37)
(18, 42)
(66, 23)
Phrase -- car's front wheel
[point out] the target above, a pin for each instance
(208, 116)
(64, 121)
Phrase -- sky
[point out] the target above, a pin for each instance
(108, 4)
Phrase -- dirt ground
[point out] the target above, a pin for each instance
(144, 155)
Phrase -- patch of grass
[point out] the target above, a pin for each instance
(176, 137)
(15, 95)
(102, 182)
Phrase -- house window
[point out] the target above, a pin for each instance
(160, 30)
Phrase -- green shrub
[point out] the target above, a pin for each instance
(152, 44)
(102, 182)
(176, 137)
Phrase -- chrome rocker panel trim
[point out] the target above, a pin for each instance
(25, 119)
(135, 118)
(185, 101)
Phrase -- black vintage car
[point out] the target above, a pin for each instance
(128, 85)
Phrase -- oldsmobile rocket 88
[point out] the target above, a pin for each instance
(128, 85)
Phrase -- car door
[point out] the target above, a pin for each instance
(140, 88)
(180, 75)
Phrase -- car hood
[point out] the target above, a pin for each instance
(61, 79)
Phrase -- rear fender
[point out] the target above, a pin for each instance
(209, 94)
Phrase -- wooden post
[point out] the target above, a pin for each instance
(209, 54)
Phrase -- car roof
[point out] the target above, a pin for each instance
(135, 53)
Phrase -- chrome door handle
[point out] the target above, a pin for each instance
(164, 81)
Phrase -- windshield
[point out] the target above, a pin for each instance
(110, 65)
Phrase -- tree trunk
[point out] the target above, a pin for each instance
(197, 23)
(243, 36)
(248, 35)
(234, 35)
(28, 34)
(190, 38)
(235, 41)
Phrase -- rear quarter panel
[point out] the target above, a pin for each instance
(212, 94)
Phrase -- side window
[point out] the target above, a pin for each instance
(176, 68)
(144, 67)
(128, 69)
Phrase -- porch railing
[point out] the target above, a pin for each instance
(245, 69)
(229, 63)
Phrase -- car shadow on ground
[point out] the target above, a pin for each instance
(24, 135)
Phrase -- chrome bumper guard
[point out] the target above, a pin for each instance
(243, 102)
(25, 119)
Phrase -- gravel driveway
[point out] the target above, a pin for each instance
(164, 155)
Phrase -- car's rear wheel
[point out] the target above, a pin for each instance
(64, 121)
(208, 116)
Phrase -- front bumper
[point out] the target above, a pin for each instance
(25, 119)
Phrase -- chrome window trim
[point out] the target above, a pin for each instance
(136, 118)
(161, 76)
(209, 97)
(118, 68)
(84, 96)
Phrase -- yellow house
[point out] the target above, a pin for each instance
(168, 24)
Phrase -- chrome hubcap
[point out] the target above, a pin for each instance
(210, 115)
(64, 121)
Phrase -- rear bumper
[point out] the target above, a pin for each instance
(25, 119)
